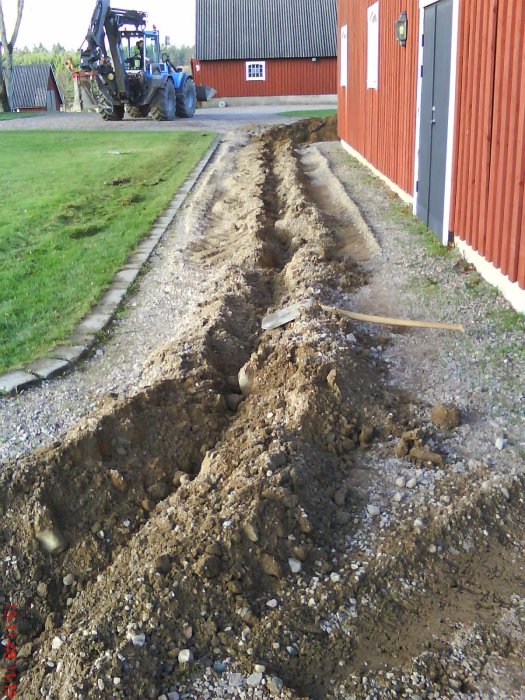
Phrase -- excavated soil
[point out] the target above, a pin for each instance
(220, 509)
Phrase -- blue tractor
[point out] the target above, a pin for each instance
(128, 72)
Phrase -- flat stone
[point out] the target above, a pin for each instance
(163, 221)
(254, 679)
(71, 353)
(137, 259)
(146, 246)
(14, 381)
(93, 324)
(113, 296)
(45, 369)
(127, 276)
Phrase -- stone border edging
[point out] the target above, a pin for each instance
(65, 355)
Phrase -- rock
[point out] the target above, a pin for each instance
(41, 589)
(138, 640)
(208, 566)
(68, 580)
(445, 416)
(185, 656)
(162, 564)
(56, 643)
(251, 532)
(373, 510)
(401, 482)
(188, 632)
(245, 378)
(233, 401)
(398, 497)
(259, 668)
(411, 483)
(295, 566)
(147, 505)
(335, 577)
(52, 541)
(118, 480)
(270, 566)
(500, 443)
(173, 695)
(254, 679)
(274, 685)
(271, 603)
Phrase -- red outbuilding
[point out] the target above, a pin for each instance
(431, 96)
(258, 48)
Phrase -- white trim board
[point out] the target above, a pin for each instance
(510, 290)
(358, 156)
(444, 233)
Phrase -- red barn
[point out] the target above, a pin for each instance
(431, 96)
(254, 48)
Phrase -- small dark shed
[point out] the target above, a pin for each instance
(249, 48)
(35, 89)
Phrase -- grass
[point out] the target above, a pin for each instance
(4, 116)
(74, 206)
(401, 213)
(306, 113)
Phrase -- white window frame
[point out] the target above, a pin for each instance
(343, 81)
(372, 49)
(250, 64)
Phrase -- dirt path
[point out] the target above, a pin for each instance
(252, 504)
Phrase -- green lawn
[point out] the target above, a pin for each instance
(18, 115)
(74, 206)
(305, 113)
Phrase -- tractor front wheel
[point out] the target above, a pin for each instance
(163, 104)
(186, 100)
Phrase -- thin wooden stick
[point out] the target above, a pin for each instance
(385, 320)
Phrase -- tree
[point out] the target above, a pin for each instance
(6, 57)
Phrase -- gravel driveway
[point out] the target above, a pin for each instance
(217, 119)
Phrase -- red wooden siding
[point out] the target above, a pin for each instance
(487, 207)
(283, 77)
(380, 124)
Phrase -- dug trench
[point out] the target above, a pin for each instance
(219, 509)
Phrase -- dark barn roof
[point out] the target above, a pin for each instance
(30, 86)
(251, 29)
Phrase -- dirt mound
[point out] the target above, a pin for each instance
(219, 519)
(304, 131)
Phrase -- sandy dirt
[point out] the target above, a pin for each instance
(223, 508)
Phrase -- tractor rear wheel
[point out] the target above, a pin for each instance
(186, 100)
(163, 104)
(138, 112)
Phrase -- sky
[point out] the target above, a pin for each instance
(65, 22)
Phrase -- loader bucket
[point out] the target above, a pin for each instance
(204, 92)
